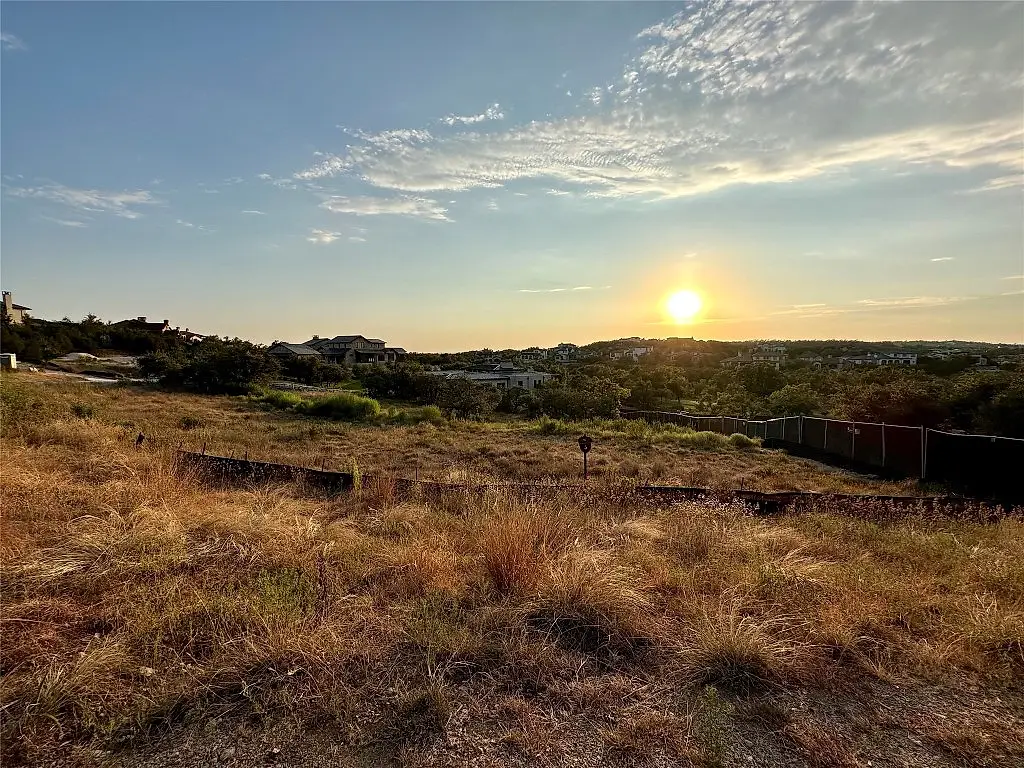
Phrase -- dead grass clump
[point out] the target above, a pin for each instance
(515, 541)
(650, 732)
(821, 747)
(696, 530)
(737, 652)
(590, 604)
(978, 745)
(420, 569)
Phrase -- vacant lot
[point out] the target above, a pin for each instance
(489, 451)
(149, 619)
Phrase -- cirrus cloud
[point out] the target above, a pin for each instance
(416, 207)
(747, 93)
(123, 204)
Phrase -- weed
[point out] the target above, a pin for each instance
(188, 422)
(83, 410)
(710, 718)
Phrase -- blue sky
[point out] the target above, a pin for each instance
(452, 176)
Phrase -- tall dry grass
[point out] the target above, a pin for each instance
(134, 598)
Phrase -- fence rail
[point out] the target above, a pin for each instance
(245, 471)
(981, 465)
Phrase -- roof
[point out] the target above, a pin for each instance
(399, 350)
(373, 341)
(295, 349)
(19, 306)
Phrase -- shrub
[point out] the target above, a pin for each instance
(342, 406)
(738, 440)
(707, 441)
(83, 410)
(276, 398)
(545, 425)
(190, 422)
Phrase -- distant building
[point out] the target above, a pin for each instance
(565, 352)
(768, 354)
(500, 378)
(878, 359)
(633, 352)
(9, 361)
(142, 324)
(533, 355)
(15, 312)
(355, 350)
(283, 350)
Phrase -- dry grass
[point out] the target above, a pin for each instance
(134, 598)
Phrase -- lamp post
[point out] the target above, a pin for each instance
(585, 444)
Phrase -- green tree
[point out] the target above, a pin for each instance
(761, 380)
(794, 400)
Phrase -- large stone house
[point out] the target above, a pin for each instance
(15, 312)
(354, 350)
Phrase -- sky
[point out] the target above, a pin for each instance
(451, 176)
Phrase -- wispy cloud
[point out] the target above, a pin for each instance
(493, 205)
(121, 204)
(190, 225)
(357, 239)
(943, 258)
(706, 103)
(1013, 277)
(417, 207)
(65, 222)
(1000, 182)
(912, 301)
(323, 236)
(11, 42)
(564, 290)
(255, 213)
(493, 112)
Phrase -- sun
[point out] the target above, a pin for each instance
(683, 306)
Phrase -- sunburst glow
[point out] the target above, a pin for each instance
(683, 306)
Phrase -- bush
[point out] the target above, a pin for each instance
(190, 422)
(545, 425)
(737, 440)
(285, 401)
(704, 440)
(83, 410)
(342, 406)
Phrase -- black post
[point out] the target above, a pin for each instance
(585, 444)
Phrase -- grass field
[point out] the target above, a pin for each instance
(149, 619)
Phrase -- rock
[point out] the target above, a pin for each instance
(226, 754)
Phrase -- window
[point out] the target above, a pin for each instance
(521, 383)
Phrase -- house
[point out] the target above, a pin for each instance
(282, 350)
(355, 350)
(500, 378)
(141, 324)
(15, 312)
(533, 355)
(878, 359)
(736, 361)
(769, 354)
(634, 352)
(564, 352)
